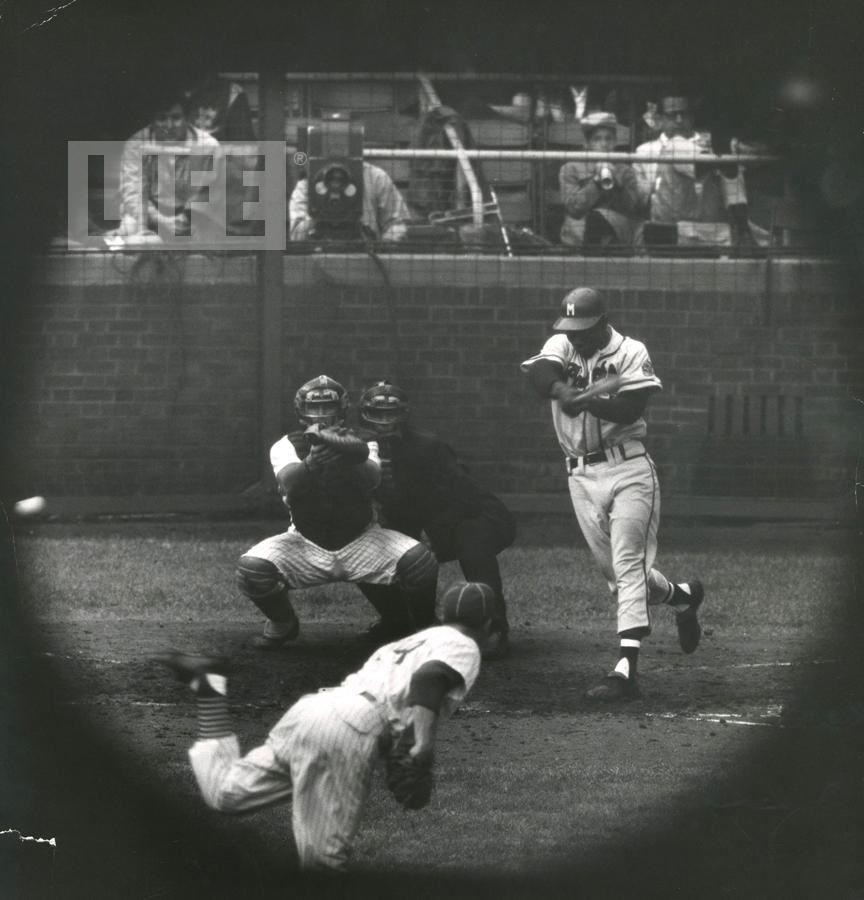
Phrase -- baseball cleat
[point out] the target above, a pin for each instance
(613, 688)
(689, 629)
(187, 666)
(277, 634)
(383, 632)
(496, 646)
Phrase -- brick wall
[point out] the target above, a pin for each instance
(147, 382)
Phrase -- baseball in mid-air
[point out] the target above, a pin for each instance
(32, 506)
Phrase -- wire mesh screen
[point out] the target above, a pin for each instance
(432, 225)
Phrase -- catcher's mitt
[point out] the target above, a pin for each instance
(335, 444)
(409, 780)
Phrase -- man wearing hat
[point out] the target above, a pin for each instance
(612, 479)
(322, 753)
(601, 199)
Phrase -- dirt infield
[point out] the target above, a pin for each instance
(533, 779)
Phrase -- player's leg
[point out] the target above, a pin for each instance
(416, 572)
(383, 556)
(634, 515)
(267, 572)
(330, 742)
(592, 492)
(228, 782)
(683, 597)
(260, 581)
(394, 613)
(478, 542)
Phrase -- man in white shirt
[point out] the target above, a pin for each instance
(146, 204)
(684, 191)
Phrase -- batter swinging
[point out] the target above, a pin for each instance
(612, 479)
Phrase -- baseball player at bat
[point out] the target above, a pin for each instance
(424, 488)
(322, 753)
(326, 475)
(612, 479)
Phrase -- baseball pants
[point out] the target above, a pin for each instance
(371, 557)
(322, 752)
(617, 505)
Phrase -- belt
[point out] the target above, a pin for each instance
(615, 453)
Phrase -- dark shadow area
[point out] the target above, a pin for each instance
(792, 827)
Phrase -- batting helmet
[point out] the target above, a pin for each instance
(468, 603)
(321, 401)
(383, 406)
(580, 309)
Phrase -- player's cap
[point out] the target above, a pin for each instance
(468, 603)
(580, 309)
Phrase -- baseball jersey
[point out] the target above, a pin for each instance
(387, 673)
(330, 515)
(624, 356)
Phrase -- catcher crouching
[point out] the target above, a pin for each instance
(323, 751)
(326, 475)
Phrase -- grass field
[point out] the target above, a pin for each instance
(531, 777)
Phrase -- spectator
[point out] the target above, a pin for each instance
(221, 108)
(684, 191)
(143, 205)
(601, 199)
(384, 209)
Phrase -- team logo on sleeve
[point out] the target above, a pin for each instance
(647, 368)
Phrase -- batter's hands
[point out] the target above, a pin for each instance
(568, 398)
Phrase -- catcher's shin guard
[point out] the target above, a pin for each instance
(391, 604)
(417, 574)
(262, 583)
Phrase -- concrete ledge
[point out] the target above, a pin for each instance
(406, 269)
(254, 501)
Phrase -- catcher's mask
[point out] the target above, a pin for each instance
(383, 407)
(321, 401)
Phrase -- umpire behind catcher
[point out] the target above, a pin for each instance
(424, 488)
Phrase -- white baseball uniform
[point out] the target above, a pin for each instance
(324, 749)
(370, 557)
(612, 479)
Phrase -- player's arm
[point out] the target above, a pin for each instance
(578, 193)
(430, 684)
(132, 188)
(547, 378)
(623, 409)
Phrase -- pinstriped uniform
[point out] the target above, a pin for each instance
(616, 500)
(370, 557)
(323, 751)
